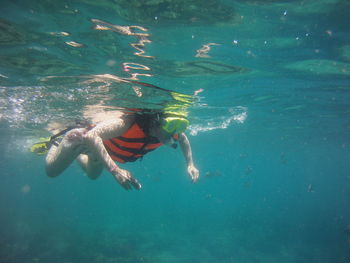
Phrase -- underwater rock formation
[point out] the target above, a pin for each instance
(196, 67)
(321, 66)
(345, 52)
(10, 34)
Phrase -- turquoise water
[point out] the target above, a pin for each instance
(269, 130)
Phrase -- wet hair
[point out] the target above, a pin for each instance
(148, 120)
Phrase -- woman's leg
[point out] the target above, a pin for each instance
(61, 156)
(91, 165)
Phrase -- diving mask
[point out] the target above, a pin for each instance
(174, 125)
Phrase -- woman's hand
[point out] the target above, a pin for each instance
(193, 172)
(125, 179)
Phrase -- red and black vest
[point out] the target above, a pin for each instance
(131, 145)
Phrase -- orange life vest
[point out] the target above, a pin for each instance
(131, 145)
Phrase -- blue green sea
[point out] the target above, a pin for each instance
(269, 130)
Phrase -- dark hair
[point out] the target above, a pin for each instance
(148, 120)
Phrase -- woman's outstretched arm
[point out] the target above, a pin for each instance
(187, 152)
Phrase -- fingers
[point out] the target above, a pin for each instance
(128, 184)
(124, 183)
(195, 177)
(194, 174)
(135, 183)
(127, 181)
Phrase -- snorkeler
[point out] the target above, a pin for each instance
(123, 139)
